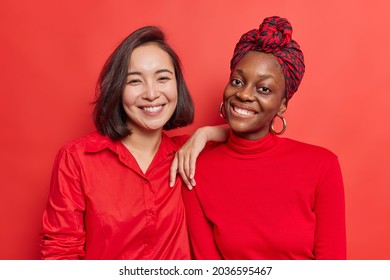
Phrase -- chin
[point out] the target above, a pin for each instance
(239, 126)
(154, 126)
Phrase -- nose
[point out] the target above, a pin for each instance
(151, 92)
(246, 94)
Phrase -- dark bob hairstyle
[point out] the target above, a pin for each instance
(108, 115)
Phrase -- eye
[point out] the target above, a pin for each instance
(236, 82)
(264, 90)
(163, 79)
(133, 82)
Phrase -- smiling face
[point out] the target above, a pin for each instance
(255, 95)
(150, 94)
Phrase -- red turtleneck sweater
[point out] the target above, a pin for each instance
(272, 198)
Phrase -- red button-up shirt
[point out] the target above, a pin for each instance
(102, 206)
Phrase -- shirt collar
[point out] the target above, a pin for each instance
(98, 142)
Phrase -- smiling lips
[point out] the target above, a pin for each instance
(152, 109)
(243, 112)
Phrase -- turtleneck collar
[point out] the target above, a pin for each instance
(254, 148)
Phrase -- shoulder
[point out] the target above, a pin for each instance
(308, 150)
(90, 142)
(317, 162)
(212, 153)
(172, 143)
(178, 140)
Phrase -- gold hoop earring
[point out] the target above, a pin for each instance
(221, 110)
(284, 125)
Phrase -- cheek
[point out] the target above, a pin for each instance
(129, 96)
(271, 104)
(171, 92)
(228, 92)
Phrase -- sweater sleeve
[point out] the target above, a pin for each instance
(330, 236)
(200, 229)
(63, 234)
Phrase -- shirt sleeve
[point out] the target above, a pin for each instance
(200, 228)
(63, 234)
(330, 236)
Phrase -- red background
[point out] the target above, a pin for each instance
(52, 52)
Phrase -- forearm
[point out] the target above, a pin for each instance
(63, 229)
(330, 240)
(62, 236)
(218, 133)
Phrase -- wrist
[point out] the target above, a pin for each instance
(204, 133)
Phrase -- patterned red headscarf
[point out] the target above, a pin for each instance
(274, 36)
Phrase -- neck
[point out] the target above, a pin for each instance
(256, 135)
(143, 141)
(143, 145)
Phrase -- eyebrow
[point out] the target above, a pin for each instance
(157, 72)
(264, 76)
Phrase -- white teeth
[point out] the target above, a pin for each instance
(243, 112)
(152, 109)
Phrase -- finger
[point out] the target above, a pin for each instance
(183, 175)
(186, 166)
(172, 172)
(185, 180)
(192, 166)
(192, 170)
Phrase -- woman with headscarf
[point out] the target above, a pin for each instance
(260, 196)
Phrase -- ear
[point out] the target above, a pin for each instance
(283, 107)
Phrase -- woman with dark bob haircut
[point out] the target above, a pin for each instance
(109, 116)
(109, 195)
